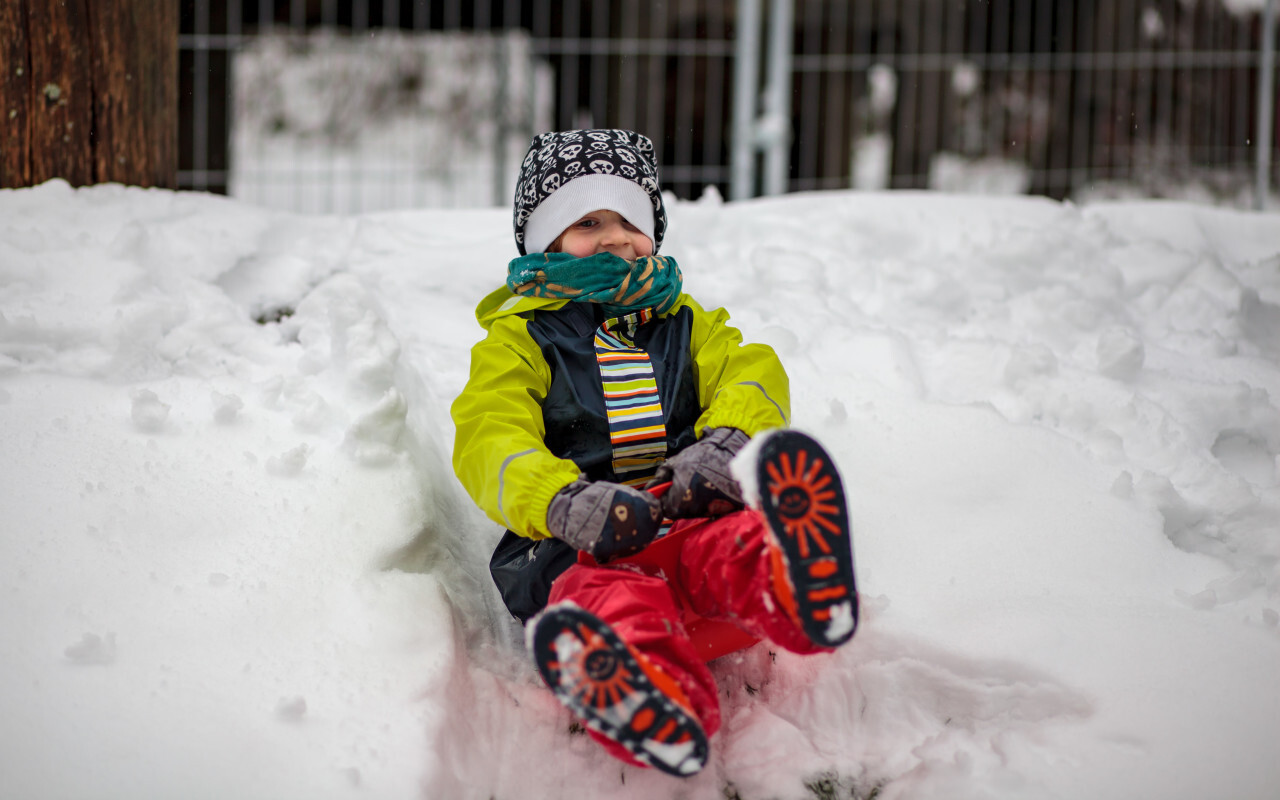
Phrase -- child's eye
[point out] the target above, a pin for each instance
(586, 222)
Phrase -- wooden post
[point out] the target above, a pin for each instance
(88, 92)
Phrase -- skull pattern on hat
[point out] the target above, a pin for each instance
(557, 157)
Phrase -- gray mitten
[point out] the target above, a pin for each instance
(607, 520)
(701, 483)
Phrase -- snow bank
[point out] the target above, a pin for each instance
(236, 562)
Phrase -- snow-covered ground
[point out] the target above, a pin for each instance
(234, 561)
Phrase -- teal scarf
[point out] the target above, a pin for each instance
(619, 285)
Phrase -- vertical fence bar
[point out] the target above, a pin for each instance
(1165, 81)
(235, 13)
(333, 171)
(1212, 113)
(1035, 127)
(746, 77)
(979, 52)
(501, 101)
(1239, 82)
(656, 113)
(571, 37)
(1113, 111)
(1064, 86)
(910, 77)
(686, 86)
(858, 117)
(713, 150)
(301, 188)
(1046, 51)
(810, 98)
(933, 73)
(1206, 138)
(200, 97)
(778, 97)
(1184, 92)
(889, 122)
(999, 52)
(952, 47)
(1126, 78)
(1082, 107)
(1266, 105)
(629, 66)
(599, 89)
(540, 29)
(1144, 92)
(835, 101)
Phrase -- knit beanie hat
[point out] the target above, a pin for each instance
(567, 174)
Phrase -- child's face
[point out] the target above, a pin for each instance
(604, 232)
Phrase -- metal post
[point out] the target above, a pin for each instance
(501, 42)
(746, 75)
(776, 130)
(1266, 105)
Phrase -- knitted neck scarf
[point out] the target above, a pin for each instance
(619, 285)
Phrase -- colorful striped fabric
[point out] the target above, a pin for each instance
(637, 426)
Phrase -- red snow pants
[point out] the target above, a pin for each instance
(708, 583)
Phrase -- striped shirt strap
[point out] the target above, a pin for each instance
(637, 426)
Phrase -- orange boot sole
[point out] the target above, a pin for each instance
(616, 691)
(803, 503)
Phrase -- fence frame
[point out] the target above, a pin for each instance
(1129, 87)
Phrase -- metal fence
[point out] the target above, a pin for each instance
(1055, 97)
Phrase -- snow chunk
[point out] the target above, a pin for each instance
(1246, 455)
(1120, 354)
(150, 414)
(289, 463)
(1026, 363)
(291, 709)
(93, 649)
(226, 407)
(841, 622)
(373, 438)
(1122, 487)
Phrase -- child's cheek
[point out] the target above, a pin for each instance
(579, 248)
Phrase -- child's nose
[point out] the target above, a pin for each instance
(616, 233)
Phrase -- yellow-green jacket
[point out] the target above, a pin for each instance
(531, 418)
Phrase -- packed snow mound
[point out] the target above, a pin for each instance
(236, 561)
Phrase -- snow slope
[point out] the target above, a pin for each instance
(235, 562)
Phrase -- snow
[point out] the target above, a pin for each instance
(1243, 7)
(334, 123)
(235, 561)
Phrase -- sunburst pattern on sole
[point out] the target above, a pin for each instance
(803, 502)
(601, 680)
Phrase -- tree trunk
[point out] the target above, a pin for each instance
(88, 92)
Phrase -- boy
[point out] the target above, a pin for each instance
(598, 425)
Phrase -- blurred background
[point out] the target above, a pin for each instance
(359, 105)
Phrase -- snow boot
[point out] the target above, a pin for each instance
(616, 691)
(803, 503)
